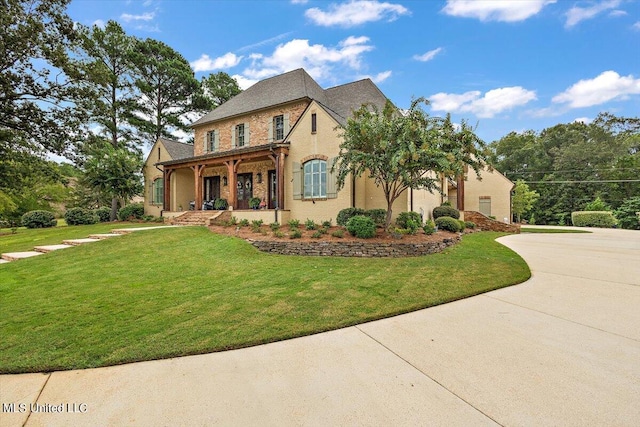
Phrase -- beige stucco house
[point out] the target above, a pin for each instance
(276, 141)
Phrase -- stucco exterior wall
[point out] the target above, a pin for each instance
(157, 154)
(305, 144)
(259, 124)
(493, 185)
(182, 189)
(374, 198)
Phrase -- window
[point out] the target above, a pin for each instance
(315, 179)
(240, 135)
(278, 128)
(485, 205)
(314, 123)
(212, 141)
(157, 192)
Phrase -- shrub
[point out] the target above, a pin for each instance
(244, 222)
(447, 223)
(345, 214)
(39, 219)
(445, 210)
(220, 204)
(403, 219)
(317, 234)
(326, 224)
(103, 213)
(132, 211)
(379, 216)
(295, 234)
(429, 227)
(309, 224)
(294, 223)
(233, 220)
(470, 224)
(412, 226)
(602, 219)
(254, 202)
(255, 225)
(463, 225)
(279, 234)
(80, 216)
(361, 226)
(627, 214)
(339, 233)
(597, 206)
(274, 226)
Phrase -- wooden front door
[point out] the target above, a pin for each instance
(273, 189)
(211, 188)
(245, 190)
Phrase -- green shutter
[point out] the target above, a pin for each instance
(246, 134)
(216, 140)
(270, 138)
(285, 131)
(233, 136)
(297, 181)
(204, 142)
(332, 180)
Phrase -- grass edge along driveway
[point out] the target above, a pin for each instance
(183, 291)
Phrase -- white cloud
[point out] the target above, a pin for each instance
(378, 78)
(577, 14)
(318, 60)
(607, 86)
(299, 1)
(427, 56)
(98, 23)
(244, 82)
(585, 120)
(493, 102)
(127, 17)
(636, 26)
(495, 10)
(205, 63)
(356, 12)
(618, 12)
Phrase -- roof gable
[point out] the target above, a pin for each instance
(177, 150)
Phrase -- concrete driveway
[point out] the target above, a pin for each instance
(561, 349)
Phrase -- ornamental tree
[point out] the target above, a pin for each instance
(523, 199)
(403, 150)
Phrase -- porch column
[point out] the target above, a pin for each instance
(460, 192)
(197, 170)
(280, 180)
(231, 181)
(166, 188)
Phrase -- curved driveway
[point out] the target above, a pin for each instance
(561, 349)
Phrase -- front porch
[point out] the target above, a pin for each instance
(267, 216)
(230, 178)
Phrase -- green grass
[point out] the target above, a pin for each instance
(25, 239)
(173, 292)
(550, 230)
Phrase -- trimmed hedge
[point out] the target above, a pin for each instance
(447, 223)
(345, 214)
(361, 226)
(379, 216)
(103, 213)
(80, 216)
(132, 211)
(39, 219)
(404, 218)
(602, 219)
(445, 210)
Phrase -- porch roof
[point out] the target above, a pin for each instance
(237, 153)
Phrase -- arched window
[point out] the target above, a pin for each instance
(315, 179)
(157, 192)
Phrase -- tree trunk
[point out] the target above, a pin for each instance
(114, 209)
(387, 222)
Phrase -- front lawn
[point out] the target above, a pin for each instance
(180, 291)
(25, 239)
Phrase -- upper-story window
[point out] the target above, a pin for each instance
(212, 142)
(278, 128)
(240, 140)
(314, 123)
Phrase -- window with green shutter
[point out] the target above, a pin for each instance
(157, 192)
(212, 141)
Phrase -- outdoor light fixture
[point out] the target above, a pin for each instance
(259, 178)
(224, 180)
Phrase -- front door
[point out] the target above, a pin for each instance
(273, 189)
(211, 188)
(245, 190)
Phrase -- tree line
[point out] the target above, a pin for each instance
(95, 95)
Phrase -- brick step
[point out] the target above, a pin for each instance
(195, 218)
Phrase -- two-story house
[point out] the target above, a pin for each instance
(276, 141)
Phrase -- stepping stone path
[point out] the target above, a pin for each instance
(41, 250)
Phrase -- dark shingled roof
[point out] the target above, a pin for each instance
(339, 101)
(176, 149)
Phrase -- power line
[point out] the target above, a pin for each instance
(582, 181)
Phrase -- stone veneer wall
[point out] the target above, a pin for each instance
(354, 249)
(485, 223)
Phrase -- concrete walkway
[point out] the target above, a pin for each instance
(561, 349)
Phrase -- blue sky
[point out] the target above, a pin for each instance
(503, 65)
